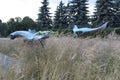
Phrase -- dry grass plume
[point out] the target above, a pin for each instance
(64, 58)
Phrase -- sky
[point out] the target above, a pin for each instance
(21, 8)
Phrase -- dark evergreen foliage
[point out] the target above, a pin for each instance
(78, 12)
(60, 20)
(44, 18)
(116, 20)
(3, 29)
(104, 11)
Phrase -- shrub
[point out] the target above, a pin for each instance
(117, 31)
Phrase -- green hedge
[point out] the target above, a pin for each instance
(109, 30)
(105, 32)
(101, 33)
(117, 31)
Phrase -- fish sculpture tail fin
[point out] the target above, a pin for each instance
(31, 31)
(75, 27)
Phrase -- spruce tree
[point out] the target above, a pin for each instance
(44, 18)
(78, 12)
(60, 20)
(116, 20)
(104, 11)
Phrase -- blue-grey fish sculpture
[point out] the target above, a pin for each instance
(86, 29)
(29, 35)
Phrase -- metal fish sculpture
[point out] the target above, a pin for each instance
(86, 29)
(29, 35)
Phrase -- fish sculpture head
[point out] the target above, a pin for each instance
(12, 37)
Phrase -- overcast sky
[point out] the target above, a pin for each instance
(21, 8)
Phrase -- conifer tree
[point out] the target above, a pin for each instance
(60, 20)
(116, 20)
(44, 18)
(104, 11)
(78, 12)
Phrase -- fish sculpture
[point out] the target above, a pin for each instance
(29, 35)
(87, 29)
